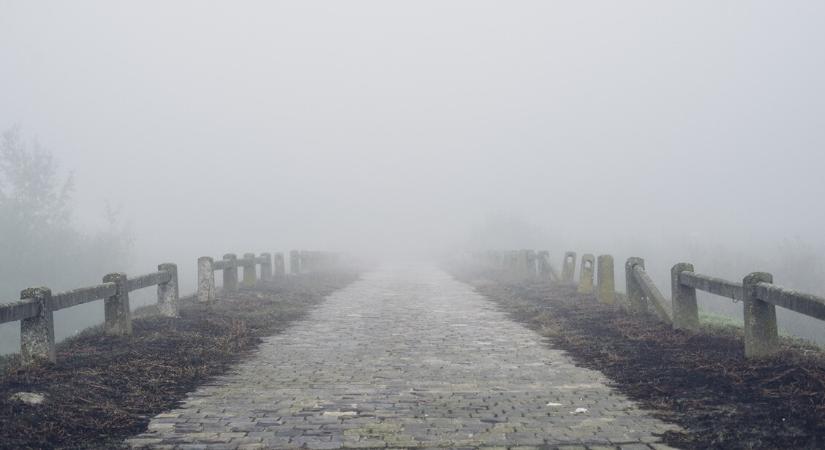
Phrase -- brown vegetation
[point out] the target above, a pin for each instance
(104, 388)
(700, 381)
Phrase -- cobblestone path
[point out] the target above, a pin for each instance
(405, 357)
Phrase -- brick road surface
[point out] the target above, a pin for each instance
(406, 357)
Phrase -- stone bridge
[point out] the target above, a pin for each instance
(406, 357)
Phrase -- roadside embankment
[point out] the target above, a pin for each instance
(105, 388)
(698, 380)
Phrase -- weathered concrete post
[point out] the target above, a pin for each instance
(586, 274)
(568, 268)
(685, 309)
(230, 274)
(37, 333)
(515, 263)
(206, 279)
(266, 267)
(530, 263)
(606, 284)
(512, 262)
(116, 308)
(305, 262)
(280, 267)
(249, 275)
(294, 262)
(543, 262)
(761, 335)
(636, 300)
(545, 269)
(168, 292)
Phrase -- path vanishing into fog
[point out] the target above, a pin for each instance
(405, 357)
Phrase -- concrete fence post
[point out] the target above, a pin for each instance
(266, 267)
(118, 315)
(168, 292)
(761, 334)
(685, 308)
(586, 274)
(206, 279)
(230, 274)
(545, 268)
(37, 333)
(568, 268)
(606, 280)
(280, 267)
(249, 275)
(294, 262)
(543, 262)
(636, 300)
(305, 262)
(512, 262)
(521, 263)
(530, 263)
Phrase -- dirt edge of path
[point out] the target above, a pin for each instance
(700, 381)
(104, 389)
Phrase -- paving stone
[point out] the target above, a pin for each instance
(406, 357)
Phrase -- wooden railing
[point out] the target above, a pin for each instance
(756, 291)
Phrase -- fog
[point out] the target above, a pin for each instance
(668, 130)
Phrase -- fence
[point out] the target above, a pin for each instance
(757, 292)
(521, 262)
(36, 309)
(229, 265)
(37, 305)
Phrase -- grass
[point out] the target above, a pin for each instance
(103, 389)
(714, 320)
(698, 380)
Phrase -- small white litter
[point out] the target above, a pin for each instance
(29, 398)
(579, 411)
(554, 404)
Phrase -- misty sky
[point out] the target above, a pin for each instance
(256, 126)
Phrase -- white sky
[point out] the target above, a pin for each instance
(257, 126)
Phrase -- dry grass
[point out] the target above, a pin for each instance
(700, 381)
(104, 389)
